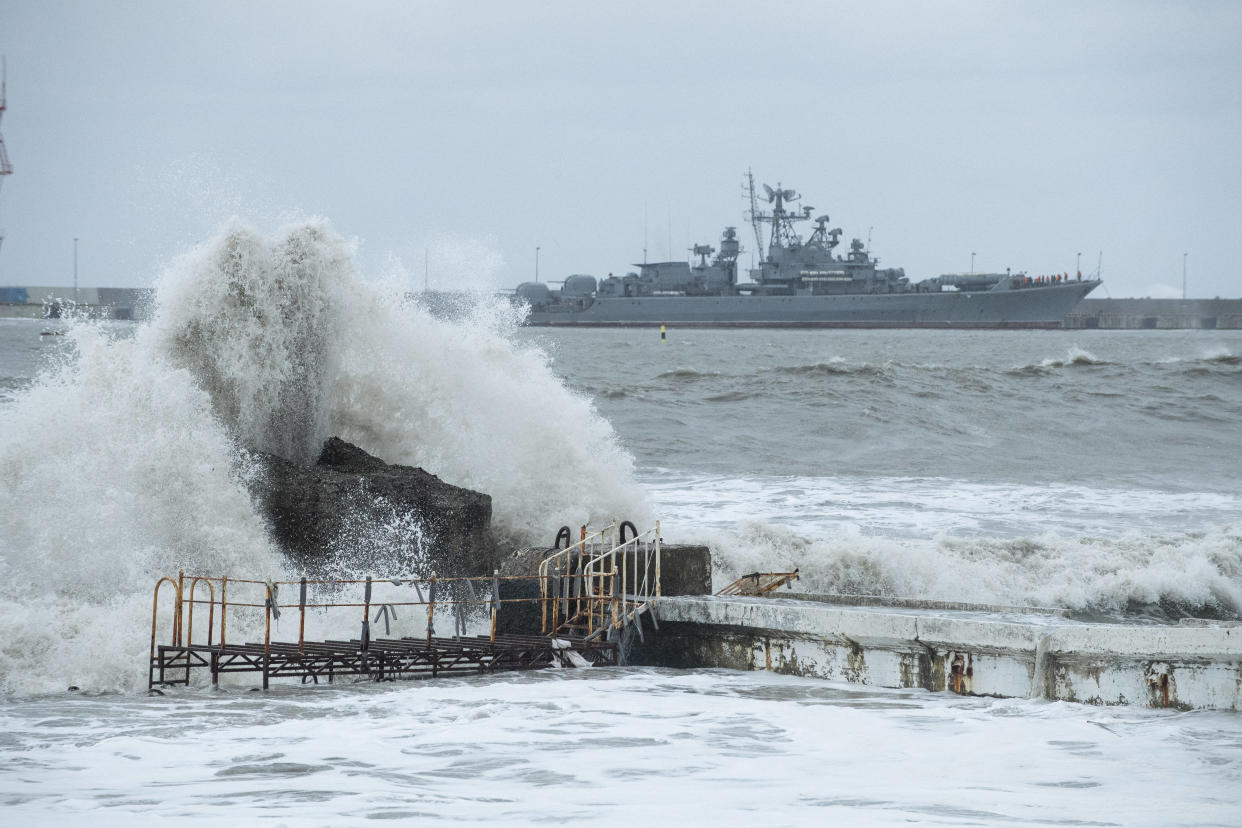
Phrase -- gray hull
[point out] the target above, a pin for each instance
(1034, 307)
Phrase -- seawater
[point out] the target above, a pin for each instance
(1090, 470)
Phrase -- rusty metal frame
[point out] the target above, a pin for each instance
(174, 662)
(760, 583)
(383, 660)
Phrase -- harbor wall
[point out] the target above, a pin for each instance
(1156, 314)
(43, 302)
(985, 651)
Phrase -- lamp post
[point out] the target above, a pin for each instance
(536, 264)
(1078, 266)
(972, 262)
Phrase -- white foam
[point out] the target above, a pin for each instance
(1073, 547)
(614, 748)
(1074, 356)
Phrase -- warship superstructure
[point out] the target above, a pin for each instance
(800, 283)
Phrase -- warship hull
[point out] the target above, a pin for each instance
(1035, 307)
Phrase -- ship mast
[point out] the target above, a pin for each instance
(755, 217)
(5, 167)
(783, 234)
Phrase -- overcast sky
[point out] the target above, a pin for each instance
(1025, 133)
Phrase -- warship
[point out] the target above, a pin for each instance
(799, 283)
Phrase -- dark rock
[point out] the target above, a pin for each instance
(352, 512)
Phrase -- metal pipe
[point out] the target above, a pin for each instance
(211, 610)
(431, 608)
(224, 590)
(495, 603)
(180, 609)
(155, 605)
(657, 573)
(302, 616)
(267, 636)
(366, 616)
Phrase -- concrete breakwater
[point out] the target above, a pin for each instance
(968, 649)
(1156, 314)
(971, 650)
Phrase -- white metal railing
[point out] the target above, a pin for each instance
(601, 583)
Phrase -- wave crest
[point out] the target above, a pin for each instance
(129, 460)
(1135, 573)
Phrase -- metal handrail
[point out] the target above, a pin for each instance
(211, 610)
(561, 564)
(610, 596)
(596, 582)
(155, 609)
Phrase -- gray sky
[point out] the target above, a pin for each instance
(1023, 132)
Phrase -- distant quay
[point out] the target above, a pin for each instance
(1156, 314)
(40, 302)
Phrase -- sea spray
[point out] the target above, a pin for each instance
(129, 460)
(112, 472)
(463, 402)
(254, 321)
(294, 346)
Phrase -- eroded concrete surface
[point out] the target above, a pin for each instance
(990, 651)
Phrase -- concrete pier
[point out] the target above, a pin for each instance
(965, 649)
(1156, 314)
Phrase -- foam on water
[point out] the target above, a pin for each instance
(1075, 356)
(614, 747)
(1133, 573)
(1087, 549)
(129, 460)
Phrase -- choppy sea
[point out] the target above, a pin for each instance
(1096, 471)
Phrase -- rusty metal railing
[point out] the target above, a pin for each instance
(599, 584)
(563, 592)
(248, 601)
(602, 583)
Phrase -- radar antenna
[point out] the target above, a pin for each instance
(779, 196)
(783, 233)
